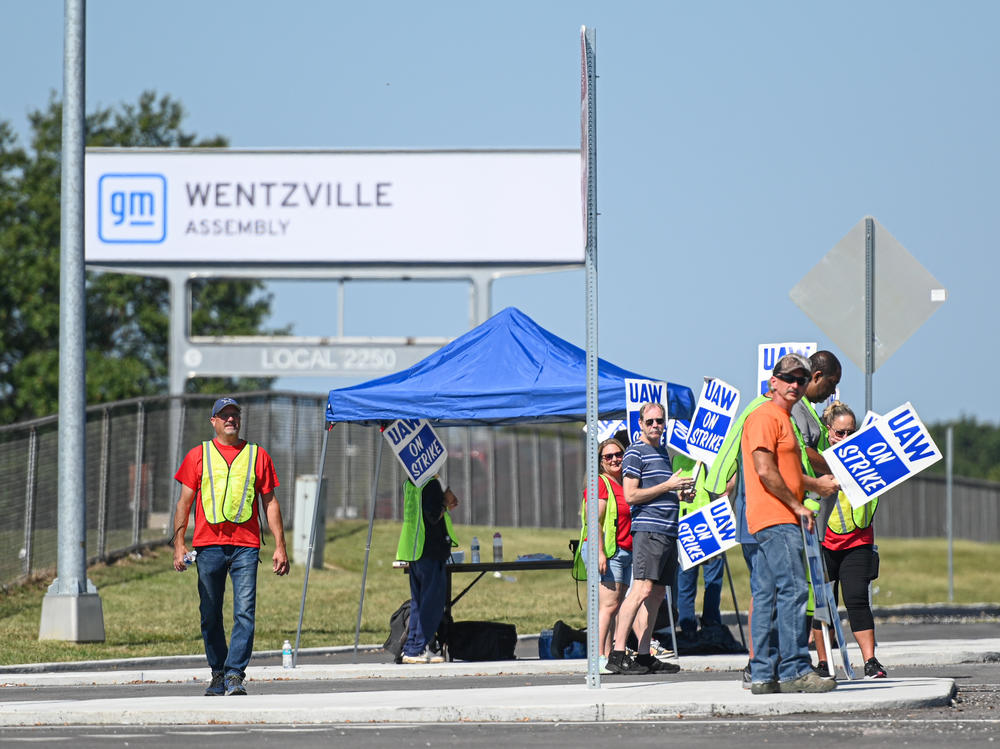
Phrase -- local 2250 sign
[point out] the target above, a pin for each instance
(226, 206)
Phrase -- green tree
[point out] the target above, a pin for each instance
(976, 448)
(127, 316)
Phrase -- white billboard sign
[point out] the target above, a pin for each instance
(881, 455)
(231, 206)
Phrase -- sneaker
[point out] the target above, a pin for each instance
(602, 663)
(746, 679)
(874, 669)
(218, 686)
(655, 665)
(659, 651)
(620, 663)
(808, 682)
(423, 657)
(434, 657)
(234, 686)
(764, 687)
(822, 670)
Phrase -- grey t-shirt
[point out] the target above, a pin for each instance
(808, 426)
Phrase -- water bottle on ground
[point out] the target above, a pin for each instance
(286, 655)
(497, 547)
(475, 550)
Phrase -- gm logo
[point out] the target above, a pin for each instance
(132, 208)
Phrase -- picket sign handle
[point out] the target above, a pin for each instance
(831, 671)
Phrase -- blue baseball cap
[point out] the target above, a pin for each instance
(222, 403)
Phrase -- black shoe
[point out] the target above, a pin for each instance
(746, 679)
(218, 686)
(620, 663)
(874, 669)
(822, 670)
(655, 665)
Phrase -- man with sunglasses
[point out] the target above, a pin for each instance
(775, 487)
(226, 475)
(651, 489)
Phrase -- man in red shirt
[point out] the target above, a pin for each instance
(225, 476)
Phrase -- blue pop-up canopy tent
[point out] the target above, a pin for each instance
(508, 370)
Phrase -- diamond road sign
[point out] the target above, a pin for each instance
(832, 294)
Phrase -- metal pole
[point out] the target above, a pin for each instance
(869, 309)
(589, 145)
(312, 540)
(736, 606)
(948, 464)
(72, 609)
(368, 546)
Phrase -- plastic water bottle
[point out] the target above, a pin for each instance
(286, 655)
(475, 550)
(497, 547)
(189, 558)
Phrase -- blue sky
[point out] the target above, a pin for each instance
(737, 143)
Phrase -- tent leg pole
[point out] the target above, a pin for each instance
(368, 545)
(736, 606)
(312, 540)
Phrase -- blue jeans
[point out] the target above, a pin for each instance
(240, 564)
(687, 588)
(428, 589)
(779, 590)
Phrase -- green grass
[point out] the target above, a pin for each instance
(151, 610)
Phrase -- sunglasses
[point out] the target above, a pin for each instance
(228, 417)
(790, 378)
(841, 433)
(612, 456)
(650, 422)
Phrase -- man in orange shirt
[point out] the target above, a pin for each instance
(774, 492)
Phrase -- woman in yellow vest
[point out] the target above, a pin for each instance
(849, 554)
(615, 553)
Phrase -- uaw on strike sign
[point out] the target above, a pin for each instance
(881, 455)
(418, 448)
(706, 533)
(717, 407)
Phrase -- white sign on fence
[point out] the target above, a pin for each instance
(418, 448)
(769, 353)
(637, 393)
(881, 455)
(706, 533)
(717, 406)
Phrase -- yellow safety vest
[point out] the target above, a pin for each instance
(228, 490)
(411, 538)
(845, 518)
(610, 531)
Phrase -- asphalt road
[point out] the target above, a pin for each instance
(973, 719)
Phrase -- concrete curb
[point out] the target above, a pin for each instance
(612, 703)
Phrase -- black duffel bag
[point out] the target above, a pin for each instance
(481, 641)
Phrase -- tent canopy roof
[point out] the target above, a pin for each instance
(509, 370)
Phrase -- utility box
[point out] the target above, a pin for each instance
(305, 499)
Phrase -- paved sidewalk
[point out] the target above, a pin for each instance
(616, 700)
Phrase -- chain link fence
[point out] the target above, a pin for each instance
(505, 476)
